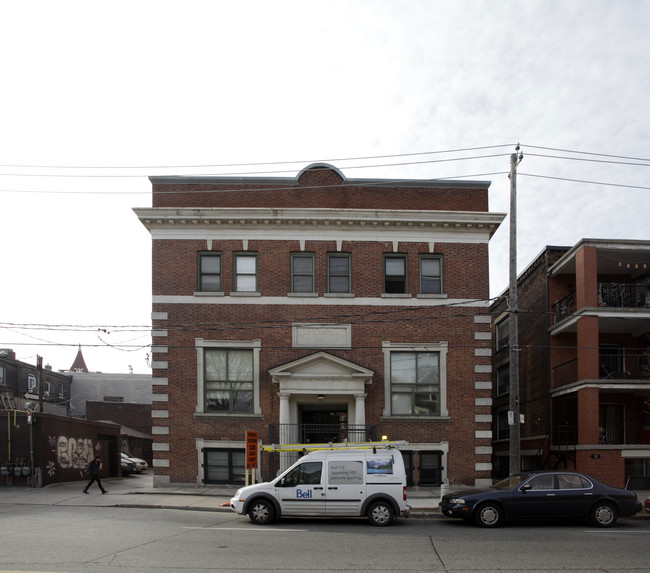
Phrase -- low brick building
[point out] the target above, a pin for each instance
(319, 308)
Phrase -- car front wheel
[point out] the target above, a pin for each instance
(603, 514)
(489, 515)
(261, 512)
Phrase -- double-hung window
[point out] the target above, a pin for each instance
(415, 383)
(395, 274)
(431, 274)
(302, 273)
(502, 334)
(228, 380)
(31, 381)
(209, 272)
(246, 272)
(338, 273)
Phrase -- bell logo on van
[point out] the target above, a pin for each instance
(304, 494)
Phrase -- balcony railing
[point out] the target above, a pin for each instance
(613, 295)
(628, 367)
(321, 433)
(624, 295)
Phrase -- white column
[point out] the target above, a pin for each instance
(360, 409)
(285, 433)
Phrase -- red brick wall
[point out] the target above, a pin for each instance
(465, 267)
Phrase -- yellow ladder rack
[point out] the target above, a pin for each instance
(332, 446)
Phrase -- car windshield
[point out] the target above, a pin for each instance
(510, 482)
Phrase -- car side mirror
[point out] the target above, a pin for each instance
(524, 488)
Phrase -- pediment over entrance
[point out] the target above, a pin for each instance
(321, 372)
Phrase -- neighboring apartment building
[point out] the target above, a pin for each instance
(318, 308)
(19, 384)
(584, 376)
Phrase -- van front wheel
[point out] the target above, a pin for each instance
(261, 512)
(380, 513)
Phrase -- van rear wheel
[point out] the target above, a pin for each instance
(380, 513)
(261, 512)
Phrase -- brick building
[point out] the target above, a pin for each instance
(19, 385)
(319, 308)
(584, 363)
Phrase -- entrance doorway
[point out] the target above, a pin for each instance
(323, 424)
(430, 468)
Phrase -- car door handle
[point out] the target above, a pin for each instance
(320, 487)
(550, 495)
(332, 488)
(589, 494)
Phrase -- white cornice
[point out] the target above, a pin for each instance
(358, 224)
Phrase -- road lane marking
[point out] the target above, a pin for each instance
(250, 529)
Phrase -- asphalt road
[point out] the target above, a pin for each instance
(135, 540)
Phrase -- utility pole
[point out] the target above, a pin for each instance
(513, 414)
(39, 374)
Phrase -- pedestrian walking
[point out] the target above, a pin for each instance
(93, 470)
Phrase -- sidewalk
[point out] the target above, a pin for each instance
(138, 491)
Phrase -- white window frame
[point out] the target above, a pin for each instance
(61, 390)
(31, 382)
(237, 273)
(441, 348)
(202, 344)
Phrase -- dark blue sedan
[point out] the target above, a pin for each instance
(542, 494)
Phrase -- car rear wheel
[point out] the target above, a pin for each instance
(489, 515)
(603, 514)
(380, 513)
(261, 512)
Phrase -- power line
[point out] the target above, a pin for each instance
(585, 181)
(257, 164)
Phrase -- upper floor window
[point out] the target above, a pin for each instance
(48, 388)
(431, 274)
(503, 334)
(3, 376)
(210, 272)
(503, 379)
(61, 390)
(302, 272)
(415, 383)
(246, 273)
(395, 273)
(31, 381)
(338, 273)
(228, 380)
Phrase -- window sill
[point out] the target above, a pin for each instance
(396, 295)
(209, 293)
(339, 295)
(415, 418)
(226, 415)
(424, 295)
(245, 293)
(302, 294)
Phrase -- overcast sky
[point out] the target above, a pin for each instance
(97, 96)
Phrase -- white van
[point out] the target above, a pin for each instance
(331, 483)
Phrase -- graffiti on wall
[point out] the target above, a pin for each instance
(74, 453)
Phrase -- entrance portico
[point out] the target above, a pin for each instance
(320, 381)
